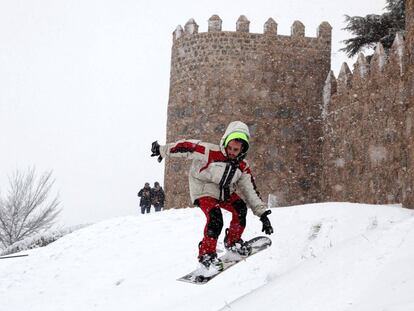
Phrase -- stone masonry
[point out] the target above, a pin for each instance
(273, 83)
(368, 127)
(408, 188)
(363, 153)
(314, 137)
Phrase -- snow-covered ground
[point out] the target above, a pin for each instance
(331, 256)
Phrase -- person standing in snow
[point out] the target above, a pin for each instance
(145, 201)
(218, 177)
(157, 197)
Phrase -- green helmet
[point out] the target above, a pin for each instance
(236, 135)
(241, 137)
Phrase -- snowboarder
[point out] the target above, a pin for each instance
(218, 176)
(145, 201)
(157, 197)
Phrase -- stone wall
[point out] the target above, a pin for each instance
(271, 82)
(368, 152)
(364, 152)
(349, 138)
(408, 190)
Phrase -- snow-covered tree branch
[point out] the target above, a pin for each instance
(27, 209)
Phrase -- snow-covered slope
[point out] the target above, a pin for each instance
(332, 256)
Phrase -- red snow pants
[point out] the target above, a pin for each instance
(212, 209)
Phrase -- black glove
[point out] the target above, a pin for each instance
(267, 227)
(155, 149)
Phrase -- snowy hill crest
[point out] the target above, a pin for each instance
(333, 256)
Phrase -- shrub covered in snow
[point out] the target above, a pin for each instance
(39, 240)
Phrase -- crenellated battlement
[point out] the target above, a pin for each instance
(323, 32)
(364, 113)
(380, 66)
(316, 137)
(269, 81)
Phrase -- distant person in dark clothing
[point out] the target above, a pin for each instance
(157, 197)
(145, 195)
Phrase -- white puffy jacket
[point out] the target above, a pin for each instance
(212, 174)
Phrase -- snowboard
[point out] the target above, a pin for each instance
(202, 275)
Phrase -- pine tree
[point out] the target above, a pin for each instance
(374, 28)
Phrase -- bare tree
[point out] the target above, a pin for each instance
(26, 209)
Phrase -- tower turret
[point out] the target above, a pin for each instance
(272, 82)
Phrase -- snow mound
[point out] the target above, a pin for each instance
(331, 256)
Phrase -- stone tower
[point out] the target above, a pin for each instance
(271, 82)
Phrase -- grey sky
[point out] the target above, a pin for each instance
(84, 86)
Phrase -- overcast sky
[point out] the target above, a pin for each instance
(84, 86)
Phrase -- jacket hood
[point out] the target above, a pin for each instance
(235, 126)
